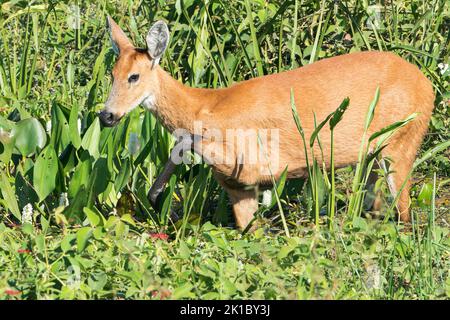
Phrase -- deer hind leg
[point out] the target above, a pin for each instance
(373, 200)
(245, 204)
(402, 151)
(398, 182)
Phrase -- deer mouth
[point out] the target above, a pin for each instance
(109, 119)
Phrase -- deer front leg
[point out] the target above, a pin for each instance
(159, 185)
(183, 143)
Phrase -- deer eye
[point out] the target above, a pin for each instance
(133, 78)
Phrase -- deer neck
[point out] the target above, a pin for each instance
(177, 105)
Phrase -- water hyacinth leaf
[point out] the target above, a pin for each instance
(6, 140)
(124, 175)
(120, 134)
(81, 174)
(6, 147)
(24, 191)
(60, 129)
(73, 126)
(106, 146)
(68, 159)
(144, 153)
(91, 139)
(77, 204)
(44, 172)
(9, 195)
(6, 124)
(29, 135)
(148, 125)
(99, 179)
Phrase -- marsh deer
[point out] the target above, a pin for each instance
(265, 103)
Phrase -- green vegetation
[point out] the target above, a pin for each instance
(75, 221)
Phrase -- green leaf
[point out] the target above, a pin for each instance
(83, 236)
(97, 280)
(337, 115)
(6, 146)
(360, 223)
(44, 172)
(40, 242)
(168, 197)
(431, 152)
(81, 174)
(60, 129)
(280, 187)
(128, 219)
(425, 196)
(371, 111)
(9, 195)
(121, 229)
(24, 191)
(77, 204)
(73, 126)
(123, 176)
(284, 251)
(99, 177)
(393, 127)
(27, 228)
(184, 251)
(295, 115)
(93, 217)
(66, 243)
(29, 135)
(91, 139)
(183, 291)
(317, 130)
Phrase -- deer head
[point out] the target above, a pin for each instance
(135, 81)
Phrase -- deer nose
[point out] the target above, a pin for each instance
(108, 119)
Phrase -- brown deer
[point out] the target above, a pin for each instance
(265, 103)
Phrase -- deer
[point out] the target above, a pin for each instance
(265, 103)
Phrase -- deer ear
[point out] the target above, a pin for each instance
(119, 40)
(157, 40)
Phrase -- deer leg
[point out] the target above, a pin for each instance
(159, 185)
(399, 182)
(154, 195)
(402, 156)
(245, 204)
(373, 199)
